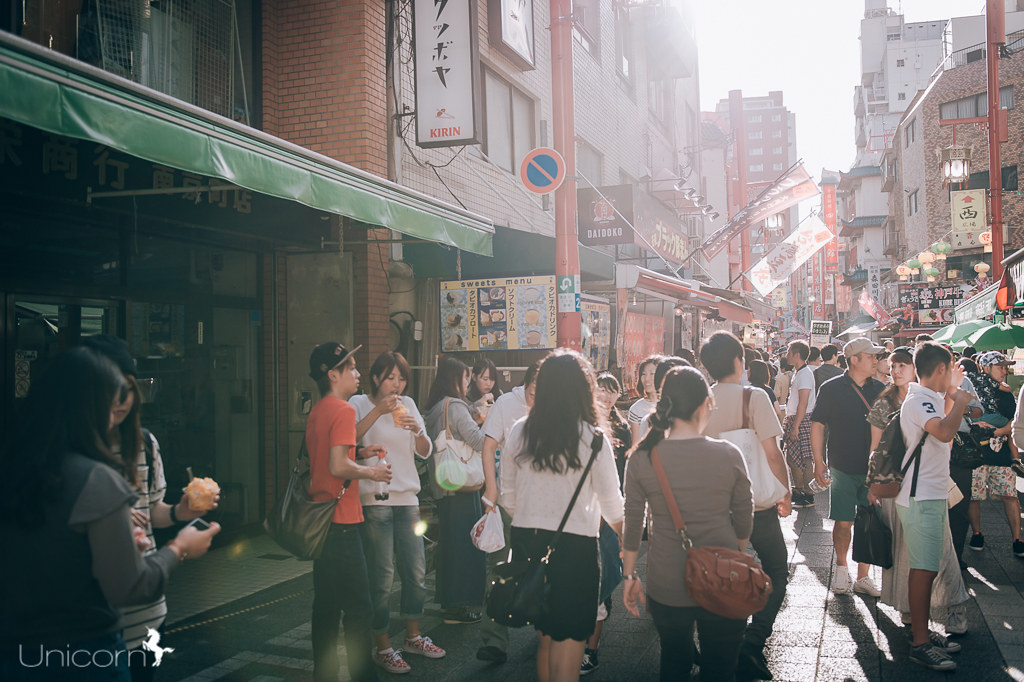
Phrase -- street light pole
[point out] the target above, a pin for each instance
(995, 30)
(567, 252)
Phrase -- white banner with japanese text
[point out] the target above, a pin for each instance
(806, 240)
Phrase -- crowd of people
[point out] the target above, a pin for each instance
(739, 437)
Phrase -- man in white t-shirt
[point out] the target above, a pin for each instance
(796, 429)
(508, 409)
(921, 503)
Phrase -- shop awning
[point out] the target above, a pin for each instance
(977, 307)
(674, 289)
(49, 91)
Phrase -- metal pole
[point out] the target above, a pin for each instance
(567, 252)
(995, 21)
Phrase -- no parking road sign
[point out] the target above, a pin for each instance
(542, 170)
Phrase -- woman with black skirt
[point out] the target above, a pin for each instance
(546, 456)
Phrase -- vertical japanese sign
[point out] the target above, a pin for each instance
(844, 298)
(830, 288)
(447, 72)
(875, 280)
(817, 273)
(969, 218)
(828, 204)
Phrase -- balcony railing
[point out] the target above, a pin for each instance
(974, 53)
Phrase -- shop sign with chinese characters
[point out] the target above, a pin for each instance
(514, 313)
(447, 73)
(660, 228)
(969, 217)
(931, 305)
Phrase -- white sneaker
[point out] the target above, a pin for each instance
(867, 586)
(956, 621)
(841, 580)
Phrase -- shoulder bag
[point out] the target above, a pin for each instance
(765, 487)
(724, 581)
(458, 467)
(518, 595)
(297, 522)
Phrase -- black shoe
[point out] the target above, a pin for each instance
(1018, 548)
(752, 666)
(589, 663)
(492, 654)
(461, 616)
(977, 542)
(800, 501)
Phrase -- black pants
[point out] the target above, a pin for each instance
(767, 541)
(719, 638)
(461, 567)
(340, 584)
(958, 521)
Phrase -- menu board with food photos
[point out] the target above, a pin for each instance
(514, 313)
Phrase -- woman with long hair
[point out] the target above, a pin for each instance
(948, 591)
(608, 391)
(388, 417)
(483, 388)
(146, 476)
(547, 455)
(461, 567)
(709, 481)
(65, 505)
(648, 391)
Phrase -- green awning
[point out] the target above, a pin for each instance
(52, 92)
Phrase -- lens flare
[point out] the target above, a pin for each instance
(420, 528)
(450, 475)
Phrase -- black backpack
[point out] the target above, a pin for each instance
(885, 473)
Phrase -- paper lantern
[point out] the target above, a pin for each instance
(914, 265)
(981, 268)
(903, 271)
(986, 239)
(931, 273)
(926, 257)
(941, 248)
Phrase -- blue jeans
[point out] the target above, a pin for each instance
(340, 584)
(390, 533)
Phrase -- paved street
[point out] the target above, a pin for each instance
(819, 636)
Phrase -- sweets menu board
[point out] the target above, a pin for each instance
(515, 313)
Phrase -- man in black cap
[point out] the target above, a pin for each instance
(340, 582)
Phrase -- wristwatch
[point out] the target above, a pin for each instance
(631, 576)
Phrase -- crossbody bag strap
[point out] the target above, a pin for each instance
(670, 498)
(746, 406)
(862, 398)
(915, 458)
(595, 447)
(309, 467)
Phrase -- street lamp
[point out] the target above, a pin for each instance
(955, 162)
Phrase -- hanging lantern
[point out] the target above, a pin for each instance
(955, 164)
(931, 273)
(941, 248)
(914, 265)
(926, 257)
(986, 239)
(982, 268)
(903, 271)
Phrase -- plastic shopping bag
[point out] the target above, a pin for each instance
(487, 533)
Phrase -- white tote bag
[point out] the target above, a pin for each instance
(764, 486)
(458, 468)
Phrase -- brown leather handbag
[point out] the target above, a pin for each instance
(724, 581)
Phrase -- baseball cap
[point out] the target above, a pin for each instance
(861, 345)
(902, 354)
(992, 358)
(326, 357)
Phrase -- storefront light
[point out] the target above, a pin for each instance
(955, 164)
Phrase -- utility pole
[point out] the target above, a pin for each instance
(567, 252)
(995, 30)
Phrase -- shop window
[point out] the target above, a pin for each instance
(509, 122)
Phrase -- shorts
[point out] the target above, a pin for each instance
(846, 492)
(924, 532)
(992, 481)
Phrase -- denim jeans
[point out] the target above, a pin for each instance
(767, 541)
(719, 642)
(389, 533)
(340, 584)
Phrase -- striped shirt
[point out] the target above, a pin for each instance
(150, 489)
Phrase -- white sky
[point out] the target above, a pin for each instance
(810, 50)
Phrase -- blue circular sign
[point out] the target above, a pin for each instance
(542, 170)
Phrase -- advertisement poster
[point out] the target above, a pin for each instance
(969, 218)
(597, 332)
(514, 313)
(821, 332)
(928, 305)
(643, 335)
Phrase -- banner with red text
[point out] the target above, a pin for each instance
(828, 205)
(805, 241)
(874, 308)
(794, 186)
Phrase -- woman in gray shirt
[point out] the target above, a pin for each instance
(709, 480)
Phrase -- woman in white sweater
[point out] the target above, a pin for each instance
(546, 455)
(389, 418)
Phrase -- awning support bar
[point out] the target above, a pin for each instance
(90, 195)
